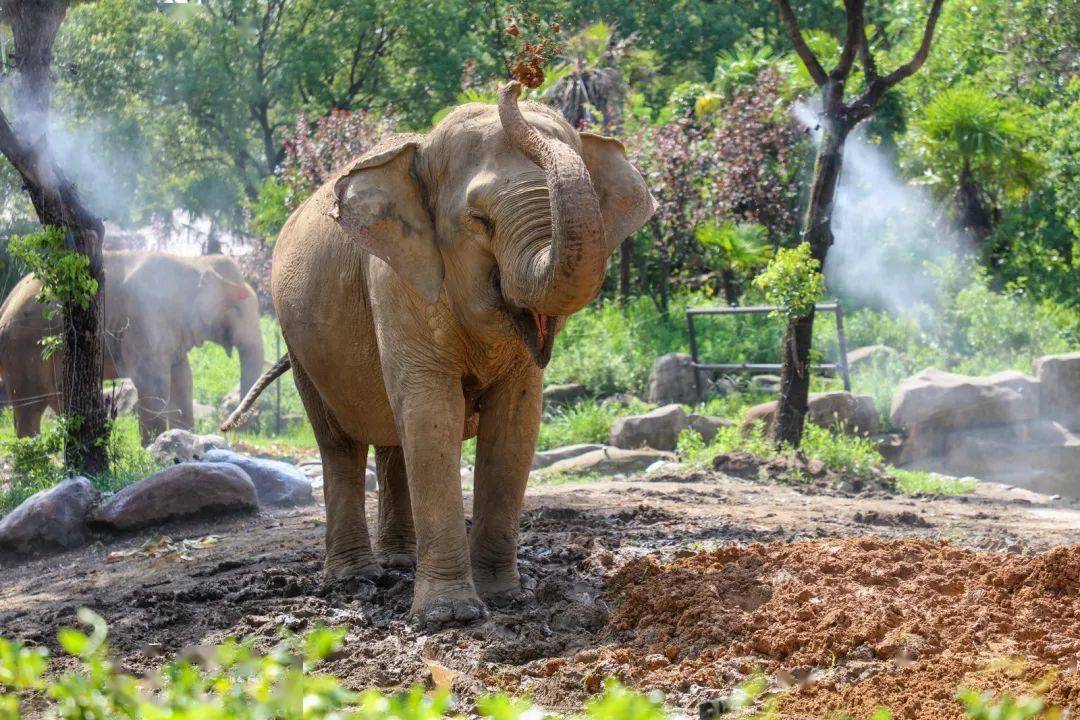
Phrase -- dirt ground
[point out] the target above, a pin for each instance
(684, 583)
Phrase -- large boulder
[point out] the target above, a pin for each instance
(50, 520)
(671, 380)
(945, 401)
(183, 490)
(276, 483)
(1059, 378)
(610, 461)
(707, 426)
(184, 446)
(1041, 455)
(854, 414)
(768, 383)
(544, 458)
(558, 395)
(658, 429)
(870, 356)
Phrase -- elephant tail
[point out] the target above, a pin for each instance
(242, 412)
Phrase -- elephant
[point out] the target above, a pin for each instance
(156, 307)
(419, 292)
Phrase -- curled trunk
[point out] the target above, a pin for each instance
(557, 242)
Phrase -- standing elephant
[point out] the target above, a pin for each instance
(156, 308)
(419, 292)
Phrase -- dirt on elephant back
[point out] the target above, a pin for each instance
(847, 625)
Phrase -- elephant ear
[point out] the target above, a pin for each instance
(378, 202)
(625, 200)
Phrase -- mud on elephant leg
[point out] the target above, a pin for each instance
(430, 417)
(344, 462)
(396, 537)
(181, 403)
(509, 423)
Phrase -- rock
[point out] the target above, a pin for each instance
(276, 483)
(184, 490)
(1041, 455)
(371, 480)
(1059, 377)
(203, 411)
(558, 395)
(658, 429)
(769, 383)
(609, 461)
(671, 380)
(122, 398)
(49, 520)
(184, 446)
(707, 426)
(856, 414)
(870, 356)
(949, 401)
(549, 457)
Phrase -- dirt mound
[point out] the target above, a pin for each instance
(850, 624)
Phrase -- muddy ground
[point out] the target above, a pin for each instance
(585, 549)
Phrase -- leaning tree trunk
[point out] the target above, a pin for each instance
(817, 231)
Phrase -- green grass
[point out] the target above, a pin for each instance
(917, 482)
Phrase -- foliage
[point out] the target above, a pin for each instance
(916, 482)
(987, 706)
(586, 421)
(64, 274)
(792, 282)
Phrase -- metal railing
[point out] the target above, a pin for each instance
(699, 366)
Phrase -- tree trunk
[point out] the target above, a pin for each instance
(817, 231)
(34, 24)
(974, 216)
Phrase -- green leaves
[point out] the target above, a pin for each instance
(793, 282)
(64, 273)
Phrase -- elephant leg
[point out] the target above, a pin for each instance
(505, 442)
(397, 539)
(153, 390)
(344, 463)
(181, 403)
(430, 413)
(28, 417)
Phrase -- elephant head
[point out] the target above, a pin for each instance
(511, 215)
(226, 312)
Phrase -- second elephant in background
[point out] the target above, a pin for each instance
(157, 307)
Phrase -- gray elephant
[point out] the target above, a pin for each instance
(419, 292)
(156, 308)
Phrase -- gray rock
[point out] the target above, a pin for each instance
(609, 461)
(769, 383)
(50, 520)
(184, 446)
(183, 490)
(371, 480)
(658, 429)
(276, 483)
(671, 380)
(949, 401)
(1059, 376)
(707, 426)
(855, 414)
(545, 458)
(558, 395)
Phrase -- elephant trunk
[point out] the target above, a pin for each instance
(251, 363)
(557, 251)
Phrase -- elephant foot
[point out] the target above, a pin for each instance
(514, 597)
(395, 560)
(360, 566)
(434, 608)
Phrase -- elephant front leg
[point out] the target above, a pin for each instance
(430, 417)
(397, 538)
(505, 443)
(153, 390)
(181, 402)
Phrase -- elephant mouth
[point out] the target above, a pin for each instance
(538, 332)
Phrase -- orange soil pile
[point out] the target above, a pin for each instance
(856, 623)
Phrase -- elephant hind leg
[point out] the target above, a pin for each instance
(344, 462)
(28, 417)
(397, 538)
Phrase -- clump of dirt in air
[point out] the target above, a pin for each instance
(848, 625)
(536, 42)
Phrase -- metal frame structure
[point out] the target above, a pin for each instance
(699, 366)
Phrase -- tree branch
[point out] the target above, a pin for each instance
(791, 24)
(854, 38)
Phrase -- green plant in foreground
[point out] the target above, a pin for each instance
(792, 281)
